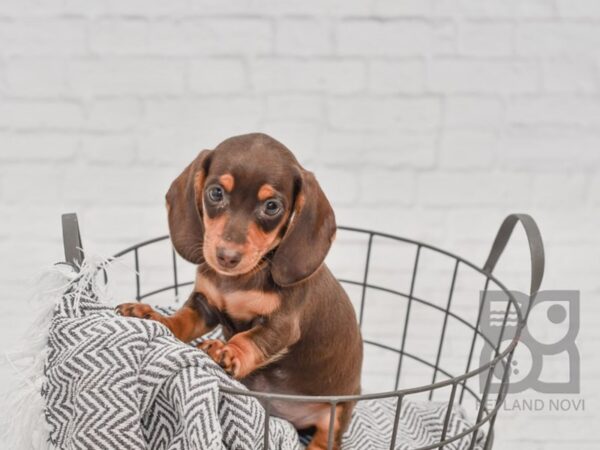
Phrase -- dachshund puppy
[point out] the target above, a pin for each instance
(259, 227)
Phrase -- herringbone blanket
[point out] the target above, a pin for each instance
(122, 383)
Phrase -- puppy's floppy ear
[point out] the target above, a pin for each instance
(309, 234)
(184, 207)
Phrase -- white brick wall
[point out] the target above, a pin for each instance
(426, 118)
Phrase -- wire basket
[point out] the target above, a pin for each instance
(385, 291)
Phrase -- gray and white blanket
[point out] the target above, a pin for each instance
(112, 382)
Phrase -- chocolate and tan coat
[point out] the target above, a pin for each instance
(259, 227)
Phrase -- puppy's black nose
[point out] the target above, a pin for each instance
(228, 258)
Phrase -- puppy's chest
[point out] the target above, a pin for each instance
(243, 305)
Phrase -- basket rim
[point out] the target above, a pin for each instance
(334, 399)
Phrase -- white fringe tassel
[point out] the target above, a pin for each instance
(23, 424)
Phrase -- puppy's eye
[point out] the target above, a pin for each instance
(272, 207)
(215, 194)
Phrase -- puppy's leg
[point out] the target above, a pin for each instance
(320, 439)
(247, 351)
(191, 321)
(239, 356)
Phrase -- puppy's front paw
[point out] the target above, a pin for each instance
(213, 348)
(139, 310)
(224, 355)
(231, 361)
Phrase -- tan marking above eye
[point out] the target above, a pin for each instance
(266, 191)
(227, 181)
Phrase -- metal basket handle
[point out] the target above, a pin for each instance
(536, 247)
(72, 240)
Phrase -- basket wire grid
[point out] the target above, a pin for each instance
(501, 357)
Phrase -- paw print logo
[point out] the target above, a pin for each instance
(546, 359)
